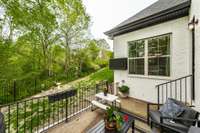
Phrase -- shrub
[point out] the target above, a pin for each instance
(124, 89)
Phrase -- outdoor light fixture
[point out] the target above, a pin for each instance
(192, 25)
(194, 22)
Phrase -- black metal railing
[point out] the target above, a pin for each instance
(179, 89)
(41, 113)
(14, 90)
(17, 89)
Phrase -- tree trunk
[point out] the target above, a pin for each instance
(67, 55)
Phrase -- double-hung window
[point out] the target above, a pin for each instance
(136, 57)
(150, 56)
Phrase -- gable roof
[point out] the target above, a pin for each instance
(158, 12)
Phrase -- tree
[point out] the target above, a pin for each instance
(73, 25)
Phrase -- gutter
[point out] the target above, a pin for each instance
(163, 16)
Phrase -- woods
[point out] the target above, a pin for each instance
(48, 38)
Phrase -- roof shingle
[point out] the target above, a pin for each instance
(155, 8)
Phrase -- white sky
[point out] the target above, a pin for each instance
(105, 14)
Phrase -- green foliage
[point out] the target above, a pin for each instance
(110, 114)
(124, 89)
(103, 74)
(48, 41)
(113, 115)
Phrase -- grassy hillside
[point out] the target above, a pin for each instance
(103, 74)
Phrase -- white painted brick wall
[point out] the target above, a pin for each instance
(144, 87)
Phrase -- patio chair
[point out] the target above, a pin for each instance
(2, 126)
(182, 120)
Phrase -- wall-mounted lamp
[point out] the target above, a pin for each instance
(193, 23)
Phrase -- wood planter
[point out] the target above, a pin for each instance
(110, 127)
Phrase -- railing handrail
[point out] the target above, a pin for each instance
(39, 97)
(174, 80)
(177, 89)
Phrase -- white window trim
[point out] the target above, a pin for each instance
(146, 61)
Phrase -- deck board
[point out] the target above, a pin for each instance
(135, 107)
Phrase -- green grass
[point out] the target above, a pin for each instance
(103, 74)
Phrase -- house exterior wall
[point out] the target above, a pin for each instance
(143, 87)
(195, 10)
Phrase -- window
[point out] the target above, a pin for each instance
(136, 57)
(150, 56)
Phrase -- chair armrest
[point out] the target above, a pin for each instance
(148, 109)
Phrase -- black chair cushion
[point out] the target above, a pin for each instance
(155, 117)
(2, 126)
(188, 113)
(176, 126)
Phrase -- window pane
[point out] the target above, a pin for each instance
(132, 49)
(136, 48)
(140, 49)
(164, 66)
(152, 47)
(159, 46)
(153, 68)
(164, 43)
(136, 66)
(159, 66)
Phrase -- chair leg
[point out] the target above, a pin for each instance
(161, 129)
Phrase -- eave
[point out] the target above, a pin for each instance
(163, 16)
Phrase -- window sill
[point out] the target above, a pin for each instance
(150, 77)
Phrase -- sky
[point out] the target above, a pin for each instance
(106, 14)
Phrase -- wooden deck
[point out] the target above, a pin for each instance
(135, 107)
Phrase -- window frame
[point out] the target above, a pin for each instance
(146, 58)
(135, 58)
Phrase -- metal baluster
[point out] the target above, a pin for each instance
(49, 113)
(66, 109)
(31, 115)
(73, 104)
(175, 90)
(38, 114)
(158, 96)
(69, 106)
(166, 92)
(44, 113)
(191, 83)
(9, 118)
(82, 98)
(17, 116)
(24, 116)
(78, 99)
(53, 113)
(185, 90)
(58, 104)
(171, 90)
(162, 95)
(180, 89)
(62, 109)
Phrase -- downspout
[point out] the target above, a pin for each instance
(193, 63)
(191, 26)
